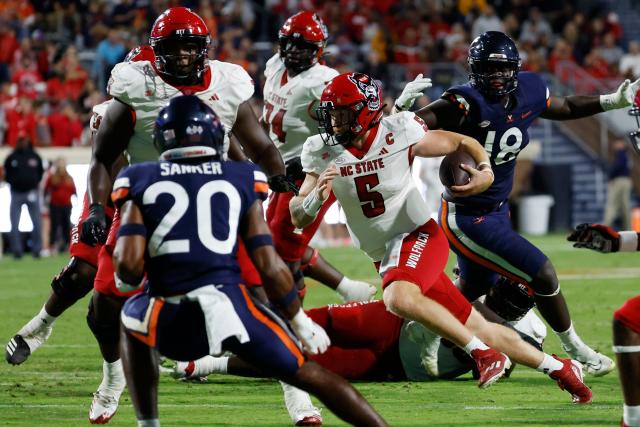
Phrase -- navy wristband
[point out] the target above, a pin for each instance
(288, 298)
(259, 240)
(132, 230)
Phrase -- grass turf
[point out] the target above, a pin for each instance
(54, 387)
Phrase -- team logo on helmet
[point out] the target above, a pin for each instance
(368, 88)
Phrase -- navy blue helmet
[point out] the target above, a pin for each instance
(494, 62)
(509, 300)
(188, 128)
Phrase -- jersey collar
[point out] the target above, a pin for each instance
(360, 153)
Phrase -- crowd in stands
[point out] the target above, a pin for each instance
(56, 55)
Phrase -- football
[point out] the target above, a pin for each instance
(450, 171)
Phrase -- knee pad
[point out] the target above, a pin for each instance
(307, 264)
(70, 283)
(105, 332)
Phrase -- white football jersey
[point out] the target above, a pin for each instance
(288, 103)
(376, 190)
(98, 113)
(138, 85)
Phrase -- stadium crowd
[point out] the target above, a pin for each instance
(56, 56)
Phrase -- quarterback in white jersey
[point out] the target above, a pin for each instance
(365, 161)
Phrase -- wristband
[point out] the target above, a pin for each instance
(311, 204)
(628, 241)
(288, 298)
(608, 102)
(132, 230)
(258, 240)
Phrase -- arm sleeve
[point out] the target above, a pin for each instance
(122, 190)
(414, 127)
(312, 156)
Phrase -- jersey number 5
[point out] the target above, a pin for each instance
(374, 202)
(275, 122)
(159, 246)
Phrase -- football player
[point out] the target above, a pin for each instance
(366, 161)
(294, 82)
(180, 41)
(626, 319)
(496, 107)
(170, 231)
(370, 343)
(76, 278)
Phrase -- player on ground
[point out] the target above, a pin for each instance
(366, 161)
(76, 279)
(180, 41)
(294, 82)
(497, 107)
(370, 343)
(170, 231)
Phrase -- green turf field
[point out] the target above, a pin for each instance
(54, 387)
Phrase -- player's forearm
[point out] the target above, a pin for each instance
(277, 280)
(128, 259)
(300, 218)
(574, 107)
(100, 182)
(270, 160)
(475, 150)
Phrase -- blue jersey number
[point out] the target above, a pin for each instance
(157, 243)
(509, 145)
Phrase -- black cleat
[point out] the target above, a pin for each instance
(17, 350)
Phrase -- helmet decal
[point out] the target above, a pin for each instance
(369, 88)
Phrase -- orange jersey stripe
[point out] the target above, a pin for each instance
(261, 187)
(150, 338)
(288, 342)
(471, 255)
(118, 194)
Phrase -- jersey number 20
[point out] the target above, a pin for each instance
(159, 246)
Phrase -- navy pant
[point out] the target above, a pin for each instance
(487, 245)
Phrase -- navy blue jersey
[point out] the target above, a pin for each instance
(502, 131)
(191, 213)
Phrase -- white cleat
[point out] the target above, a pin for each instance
(103, 407)
(355, 290)
(429, 343)
(595, 363)
(300, 407)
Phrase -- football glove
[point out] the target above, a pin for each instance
(94, 228)
(621, 98)
(294, 169)
(283, 184)
(597, 237)
(412, 91)
(314, 339)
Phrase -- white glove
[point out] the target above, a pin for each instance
(314, 339)
(412, 91)
(623, 97)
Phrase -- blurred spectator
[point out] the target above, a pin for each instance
(69, 78)
(8, 46)
(26, 77)
(487, 21)
(59, 188)
(21, 120)
(110, 51)
(596, 65)
(630, 62)
(535, 28)
(65, 126)
(123, 14)
(619, 189)
(561, 52)
(609, 51)
(23, 171)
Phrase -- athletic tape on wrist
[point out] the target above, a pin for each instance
(628, 241)
(311, 204)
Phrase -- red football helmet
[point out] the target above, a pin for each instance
(352, 101)
(302, 39)
(173, 29)
(141, 53)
